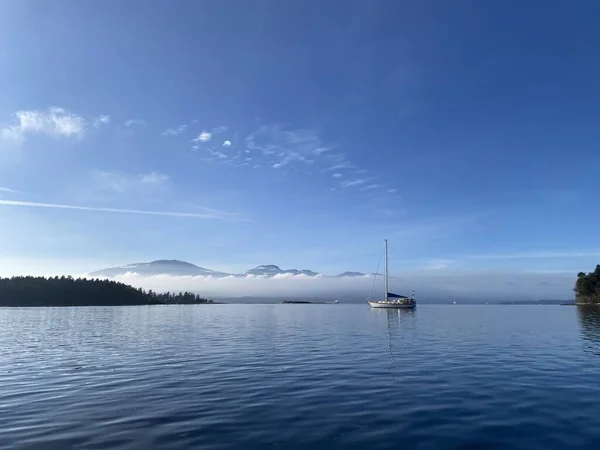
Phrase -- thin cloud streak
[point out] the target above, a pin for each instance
(540, 255)
(339, 166)
(349, 183)
(112, 210)
(121, 182)
(9, 190)
(175, 131)
(133, 122)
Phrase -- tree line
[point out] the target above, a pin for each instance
(69, 291)
(587, 287)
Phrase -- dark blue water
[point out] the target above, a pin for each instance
(300, 376)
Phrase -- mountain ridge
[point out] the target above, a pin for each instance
(175, 267)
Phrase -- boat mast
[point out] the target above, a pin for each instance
(386, 271)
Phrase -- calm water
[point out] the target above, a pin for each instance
(300, 376)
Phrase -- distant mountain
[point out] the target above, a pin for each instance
(174, 267)
(272, 270)
(350, 274)
(171, 267)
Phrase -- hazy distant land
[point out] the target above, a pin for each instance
(100, 289)
(176, 267)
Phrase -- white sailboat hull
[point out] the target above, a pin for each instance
(394, 305)
(392, 301)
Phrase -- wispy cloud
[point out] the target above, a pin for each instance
(218, 155)
(285, 146)
(206, 215)
(134, 122)
(349, 183)
(276, 146)
(218, 130)
(55, 121)
(372, 186)
(205, 136)
(9, 190)
(154, 178)
(101, 120)
(175, 131)
(438, 264)
(121, 182)
(392, 190)
(339, 166)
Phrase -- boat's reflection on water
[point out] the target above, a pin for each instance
(395, 318)
(589, 320)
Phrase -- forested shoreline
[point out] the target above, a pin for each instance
(69, 291)
(587, 288)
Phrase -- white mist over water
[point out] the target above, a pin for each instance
(471, 286)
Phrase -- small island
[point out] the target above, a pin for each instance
(69, 291)
(587, 288)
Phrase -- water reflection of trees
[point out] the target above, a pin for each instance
(589, 320)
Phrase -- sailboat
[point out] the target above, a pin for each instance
(393, 300)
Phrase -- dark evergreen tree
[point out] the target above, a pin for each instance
(587, 287)
(68, 291)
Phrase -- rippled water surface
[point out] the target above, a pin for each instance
(300, 377)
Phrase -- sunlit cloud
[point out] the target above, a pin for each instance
(55, 122)
(226, 143)
(336, 175)
(205, 136)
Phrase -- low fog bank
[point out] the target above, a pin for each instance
(430, 287)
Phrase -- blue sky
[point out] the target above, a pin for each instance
(300, 134)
